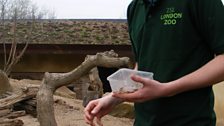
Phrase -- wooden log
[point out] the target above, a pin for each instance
(25, 93)
(4, 112)
(11, 122)
(15, 114)
(52, 81)
(29, 106)
(31, 102)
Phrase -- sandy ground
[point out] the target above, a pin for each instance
(69, 112)
(219, 103)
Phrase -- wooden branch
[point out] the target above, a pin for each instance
(5, 53)
(95, 82)
(4, 112)
(45, 110)
(52, 81)
(15, 60)
(13, 48)
(9, 58)
(15, 114)
(11, 122)
(95, 89)
(56, 80)
(29, 106)
(27, 93)
(14, 43)
(31, 102)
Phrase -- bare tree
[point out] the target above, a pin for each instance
(16, 10)
(26, 9)
(52, 14)
(3, 6)
(14, 56)
(22, 7)
(34, 10)
(11, 59)
(42, 13)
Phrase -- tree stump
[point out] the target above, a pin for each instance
(4, 84)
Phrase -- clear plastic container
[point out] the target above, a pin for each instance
(121, 81)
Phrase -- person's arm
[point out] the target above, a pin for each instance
(209, 74)
(136, 66)
(99, 108)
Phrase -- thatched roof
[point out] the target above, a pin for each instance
(69, 32)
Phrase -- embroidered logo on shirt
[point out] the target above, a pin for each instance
(170, 17)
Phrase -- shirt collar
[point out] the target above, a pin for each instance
(150, 2)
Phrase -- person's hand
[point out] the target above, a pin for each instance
(152, 89)
(98, 108)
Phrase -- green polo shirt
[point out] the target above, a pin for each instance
(172, 39)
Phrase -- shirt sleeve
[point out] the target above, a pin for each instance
(211, 23)
(129, 19)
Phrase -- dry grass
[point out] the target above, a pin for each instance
(69, 32)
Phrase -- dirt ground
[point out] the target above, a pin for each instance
(219, 103)
(69, 112)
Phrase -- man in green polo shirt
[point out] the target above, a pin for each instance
(182, 43)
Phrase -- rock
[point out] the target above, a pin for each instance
(4, 83)
(65, 92)
(124, 109)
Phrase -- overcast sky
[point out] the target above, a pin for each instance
(73, 9)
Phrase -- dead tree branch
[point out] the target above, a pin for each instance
(14, 58)
(52, 81)
(11, 122)
(25, 93)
